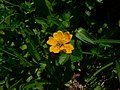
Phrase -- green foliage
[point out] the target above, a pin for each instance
(118, 68)
(83, 36)
(26, 62)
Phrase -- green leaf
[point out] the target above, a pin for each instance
(29, 78)
(53, 20)
(23, 47)
(98, 88)
(117, 64)
(27, 86)
(1, 40)
(2, 32)
(35, 84)
(67, 16)
(76, 55)
(2, 82)
(84, 36)
(63, 58)
(43, 66)
(16, 83)
(49, 5)
(1, 88)
(77, 52)
(107, 41)
(41, 20)
(7, 82)
(87, 38)
(7, 19)
(23, 61)
(75, 58)
(66, 23)
(34, 53)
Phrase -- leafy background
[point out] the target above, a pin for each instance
(25, 60)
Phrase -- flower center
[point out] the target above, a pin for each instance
(60, 44)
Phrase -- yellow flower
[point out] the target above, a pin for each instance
(60, 42)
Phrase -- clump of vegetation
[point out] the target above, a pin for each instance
(59, 45)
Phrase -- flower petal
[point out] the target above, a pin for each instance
(68, 48)
(51, 41)
(55, 49)
(58, 35)
(67, 37)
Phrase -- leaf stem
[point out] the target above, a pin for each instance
(98, 71)
(8, 52)
(12, 4)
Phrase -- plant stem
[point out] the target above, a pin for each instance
(98, 71)
(7, 52)
(12, 4)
